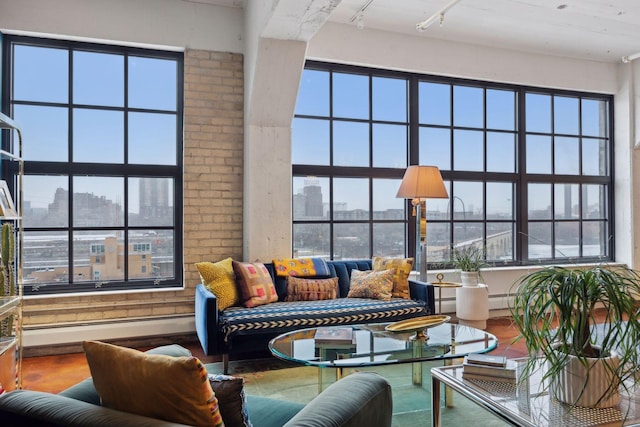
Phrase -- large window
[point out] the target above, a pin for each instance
(528, 170)
(102, 189)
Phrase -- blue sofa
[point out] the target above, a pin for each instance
(241, 330)
(362, 399)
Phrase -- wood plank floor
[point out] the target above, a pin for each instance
(56, 373)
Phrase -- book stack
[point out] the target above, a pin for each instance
(489, 368)
(334, 342)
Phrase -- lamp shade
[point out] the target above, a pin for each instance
(422, 182)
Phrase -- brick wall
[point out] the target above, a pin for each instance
(213, 152)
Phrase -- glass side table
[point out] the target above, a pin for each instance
(528, 403)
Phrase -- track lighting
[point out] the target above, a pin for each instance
(438, 16)
(628, 58)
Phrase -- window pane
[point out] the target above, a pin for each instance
(310, 142)
(40, 74)
(440, 209)
(151, 201)
(538, 111)
(47, 131)
(567, 239)
(150, 254)
(594, 157)
(501, 109)
(351, 241)
(567, 156)
(438, 242)
(566, 118)
(435, 103)
(594, 235)
(594, 201)
(468, 109)
(97, 256)
(350, 144)
(310, 195)
(97, 201)
(435, 147)
(539, 238)
(46, 257)
(389, 99)
(467, 200)
(539, 201)
(152, 139)
(153, 83)
(468, 150)
(500, 241)
(311, 240)
(501, 154)
(98, 79)
(98, 136)
(385, 203)
(567, 203)
(350, 96)
(46, 201)
(500, 200)
(466, 233)
(388, 240)
(351, 198)
(594, 117)
(389, 146)
(538, 154)
(313, 96)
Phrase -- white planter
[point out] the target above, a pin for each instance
(591, 386)
(469, 278)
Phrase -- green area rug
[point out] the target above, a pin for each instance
(411, 403)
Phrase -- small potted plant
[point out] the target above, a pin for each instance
(587, 361)
(469, 259)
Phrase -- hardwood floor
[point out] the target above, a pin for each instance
(56, 373)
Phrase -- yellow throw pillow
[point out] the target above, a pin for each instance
(174, 389)
(219, 278)
(401, 269)
(371, 284)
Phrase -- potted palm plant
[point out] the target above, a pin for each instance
(469, 259)
(584, 324)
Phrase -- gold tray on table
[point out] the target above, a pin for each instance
(418, 324)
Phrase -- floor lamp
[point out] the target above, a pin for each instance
(421, 182)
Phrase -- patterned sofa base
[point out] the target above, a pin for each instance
(240, 329)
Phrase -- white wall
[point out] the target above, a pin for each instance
(170, 23)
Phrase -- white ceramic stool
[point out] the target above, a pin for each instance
(472, 306)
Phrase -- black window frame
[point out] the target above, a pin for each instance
(520, 178)
(70, 169)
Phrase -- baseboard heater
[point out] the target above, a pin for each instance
(107, 331)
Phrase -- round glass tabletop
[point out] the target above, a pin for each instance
(372, 344)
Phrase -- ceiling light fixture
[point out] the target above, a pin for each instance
(359, 15)
(628, 58)
(439, 15)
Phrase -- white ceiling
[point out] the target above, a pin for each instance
(601, 30)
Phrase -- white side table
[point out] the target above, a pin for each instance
(472, 305)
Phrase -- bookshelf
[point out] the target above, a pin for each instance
(11, 294)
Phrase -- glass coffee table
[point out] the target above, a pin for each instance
(373, 345)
